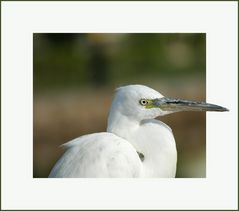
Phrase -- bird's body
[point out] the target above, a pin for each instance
(135, 144)
(108, 155)
(98, 155)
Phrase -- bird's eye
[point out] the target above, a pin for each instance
(143, 102)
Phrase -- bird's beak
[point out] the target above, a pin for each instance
(174, 105)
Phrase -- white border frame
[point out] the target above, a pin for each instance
(21, 19)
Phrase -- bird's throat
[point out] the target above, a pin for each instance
(121, 125)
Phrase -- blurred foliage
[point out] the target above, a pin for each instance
(76, 60)
(75, 76)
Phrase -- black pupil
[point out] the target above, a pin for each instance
(143, 102)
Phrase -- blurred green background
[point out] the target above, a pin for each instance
(75, 76)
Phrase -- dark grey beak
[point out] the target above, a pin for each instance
(173, 104)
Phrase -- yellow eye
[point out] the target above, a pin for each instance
(143, 102)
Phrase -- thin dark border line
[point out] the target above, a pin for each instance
(109, 1)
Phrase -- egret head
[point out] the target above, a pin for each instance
(140, 102)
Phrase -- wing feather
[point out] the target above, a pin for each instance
(98, 155)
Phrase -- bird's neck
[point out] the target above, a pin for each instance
(159, 150)
(121, 125)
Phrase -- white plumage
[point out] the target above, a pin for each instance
(98, 155)
(135, 144)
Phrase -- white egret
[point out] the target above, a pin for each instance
(135, 144)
